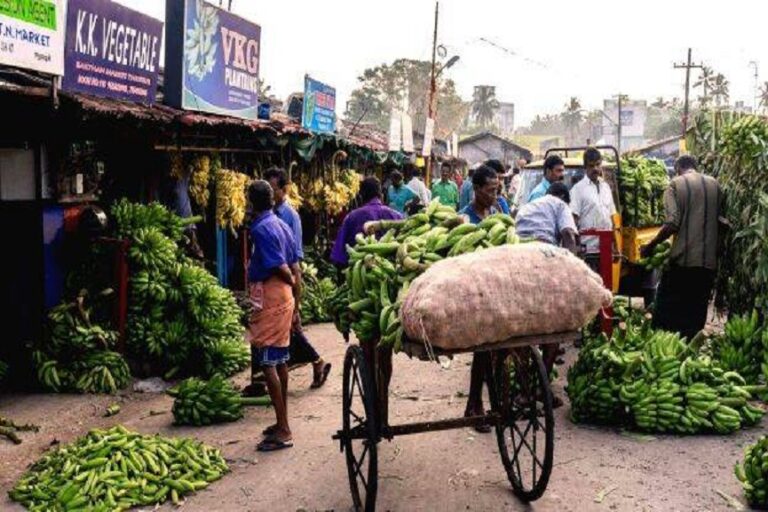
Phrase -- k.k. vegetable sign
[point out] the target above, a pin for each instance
(32, 34)
(212, 59)
(319, 114)
(112, 51)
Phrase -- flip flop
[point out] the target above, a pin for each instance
(323, 377)
(273, 445)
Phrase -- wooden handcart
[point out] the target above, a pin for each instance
(520, 411)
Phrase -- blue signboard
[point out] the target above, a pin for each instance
(211, 59)
(111, 51)
(319, 114)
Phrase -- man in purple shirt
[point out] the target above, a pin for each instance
(372, 209)
(301, 349)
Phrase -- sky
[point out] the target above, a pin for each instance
(555, 49)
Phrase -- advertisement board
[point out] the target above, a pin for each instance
(112, 51)
(319, 114)
(211, 59)
(32, 34)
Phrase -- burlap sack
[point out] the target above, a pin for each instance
(495, 294)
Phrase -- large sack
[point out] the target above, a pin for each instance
(495, 294)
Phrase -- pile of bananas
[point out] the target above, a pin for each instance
(117, 469)
(740, 347)
(177, 313)
(753, 473)
(231, 201)
(315, 297)
(199, 179)
(199, 402)
(656, 382)
(331, 195)
(642, 183)
(77, 353)
(659, 259)
(129, 218)
(380, 271)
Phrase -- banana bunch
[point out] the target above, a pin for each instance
(51, 374)
(117, 469)
(176, 165)
(226, 357)
(199, 179)
(316, 294)
(198, 402)
(70, 330)
(752, 472)
(656, 382)
(293, 196)
(743, 138)
(101, 372)
(151, 250)
(231, 201)
(339, 310)
(659, 259)
(380, 271)
(641, 184)
(740, 348)
(128, 218)
(330, 195)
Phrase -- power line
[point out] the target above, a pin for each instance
(688, 66)
(512, 52)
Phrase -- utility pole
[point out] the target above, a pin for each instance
(688, 66)
(757, 86)
(618, 126)
(432, 89)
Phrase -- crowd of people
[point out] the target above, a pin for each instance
(551, 213)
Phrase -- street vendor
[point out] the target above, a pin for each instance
(273, 284)
(501, 201)
(302, 351)
(399, 194)
(554, 171)
(372, 209)
(485, 184)
(549, 219)
(692, 205)
(592, 205)
(446, 190)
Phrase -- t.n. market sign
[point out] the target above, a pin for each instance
(112, 51)
(32, 34)
(211, 59)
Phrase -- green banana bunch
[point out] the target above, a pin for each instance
(660, 258)
(380, 271)
(117, 469)
(752, 472)
(226, 357)
(129, 218)
(740, 348)
(199, 402)
(642, 182)
(315, 296)
(101, 372)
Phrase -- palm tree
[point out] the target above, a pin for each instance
(764, 96)
(721, 90)
(484, 105)
(572, 116)
(706, 82)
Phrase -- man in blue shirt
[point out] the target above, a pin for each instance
(548, 219)
(274, 281)
(465, 193)
(301, 350)
(554, 171)
(500, 169)
(399, 194)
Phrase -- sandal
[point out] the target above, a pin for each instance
(272, 445)
(269, 431)
(319, 381)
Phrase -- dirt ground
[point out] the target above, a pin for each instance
(595, 469)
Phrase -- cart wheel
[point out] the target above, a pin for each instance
(526, 432)
(359, 436)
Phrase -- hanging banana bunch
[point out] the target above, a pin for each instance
(293, 196)
(230, 199)
(200, 176)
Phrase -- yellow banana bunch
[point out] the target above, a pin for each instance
(230, 198)
(199, 179)
(293, 197)
(177, 165)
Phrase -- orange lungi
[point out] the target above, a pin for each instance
(271, 327)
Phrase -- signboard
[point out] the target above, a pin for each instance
(211, 59)
(319, 114)
(394, 131)
(32, 34)
(112, 51)
(407, 123)
(633, 117)
(429, 135)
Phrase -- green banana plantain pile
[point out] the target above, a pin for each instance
(740, 347)
(380, 271)
(77, 354)
(316, 293)
(659, 259)
(199, 402)
(642, 182)
(753, 473)
(116, 469)
(179, 317)
(656, 382)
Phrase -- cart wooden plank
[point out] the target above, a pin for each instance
(420, 350)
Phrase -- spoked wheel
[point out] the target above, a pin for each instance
(526, 431)
(359, 436)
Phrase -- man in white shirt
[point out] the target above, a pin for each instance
(413, 181)
(592, 201)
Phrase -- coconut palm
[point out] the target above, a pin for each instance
(721, 90)
(572, 116)
(484, 105)
(764, 96)
(706, 82)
